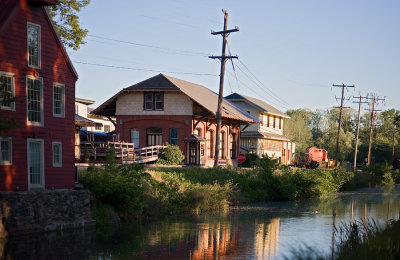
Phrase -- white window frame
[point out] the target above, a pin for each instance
(2, 162)
(62, 86)
(42, 174)
(41, 123)
(107, 127)
(40, 45)
(53, 144)
(8, 74)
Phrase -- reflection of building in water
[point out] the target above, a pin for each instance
(266, 239)
(214, 240)
(3, 243)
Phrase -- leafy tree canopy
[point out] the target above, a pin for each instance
(66, 20)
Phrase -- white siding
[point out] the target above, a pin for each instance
(174, 104)
(81, 109)
(104, 121)
(271, 128)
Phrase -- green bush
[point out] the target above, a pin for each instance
(120, 187)
(251, 159)
(172, 154)
(381, 173)
(174, 193)
(110, 158)
(396, 176)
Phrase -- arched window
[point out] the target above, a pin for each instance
(210, 143)
(222, 145)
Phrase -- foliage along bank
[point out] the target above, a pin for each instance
(130, 191)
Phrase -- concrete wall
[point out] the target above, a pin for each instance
(26, 212)
(175, 103)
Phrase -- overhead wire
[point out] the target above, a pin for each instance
(141, 69)
(255, 83)
(150, 46)
(233, 66)
(266, 88)
(253, 78)
(259, 94)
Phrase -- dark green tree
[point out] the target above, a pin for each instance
(298, 130)
(66, 20)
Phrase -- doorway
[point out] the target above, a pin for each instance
(35, 163)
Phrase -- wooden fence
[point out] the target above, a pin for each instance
(95, 152)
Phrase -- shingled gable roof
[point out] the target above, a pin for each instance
(200, 94)
(259, 104)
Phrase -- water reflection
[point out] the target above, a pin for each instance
(264, 231)
(266, 239)
(72, 245)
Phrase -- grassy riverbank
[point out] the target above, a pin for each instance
(130, 191)
(359, 242)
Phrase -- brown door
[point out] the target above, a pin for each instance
(193, 153)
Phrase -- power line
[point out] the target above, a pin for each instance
(360, 102)
(258, 94)
(277, 99)
(343, 86)
(148, 45)
(269, 90)
(141, 69)
(374, 99)
(233, 66)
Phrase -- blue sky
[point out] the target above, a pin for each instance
(290, 52)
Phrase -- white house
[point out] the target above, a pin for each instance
(265, 137)
(82, 109)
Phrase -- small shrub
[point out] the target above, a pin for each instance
(267, 165)
(172, 154)
(110, 158)
(251, 159)
(381, 172)
(120, 187)
(396, 176)
(387, 179)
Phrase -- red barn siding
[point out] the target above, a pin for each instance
(55, 67)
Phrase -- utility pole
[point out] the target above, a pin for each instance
(396, 123)
(343, 86)
(358, 129)
(374, 99)
(223, 58)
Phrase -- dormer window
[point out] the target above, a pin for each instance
(33, 45)
(153, 101)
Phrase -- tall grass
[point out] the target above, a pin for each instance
(360, 241)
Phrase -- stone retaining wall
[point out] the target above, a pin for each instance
(27, 212)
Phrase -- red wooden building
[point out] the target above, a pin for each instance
(163, 109)
(35, 68)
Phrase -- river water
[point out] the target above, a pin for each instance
(260, 231)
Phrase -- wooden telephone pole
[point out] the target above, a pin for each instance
(343, 86)
(358, 129)
(374, 99)
(223, 58)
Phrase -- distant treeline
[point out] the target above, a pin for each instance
(319, 128)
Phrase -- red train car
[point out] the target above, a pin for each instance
(316, 154)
